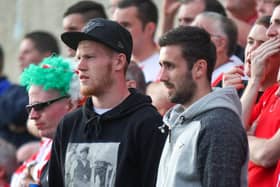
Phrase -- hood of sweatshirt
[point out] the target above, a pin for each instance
(218, 98)
(133, 102)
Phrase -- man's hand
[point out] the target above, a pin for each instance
(234, 78)
(265, 152)
(26, 178)
(170, 7)
(260, 57)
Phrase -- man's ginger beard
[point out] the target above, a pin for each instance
(101, 83)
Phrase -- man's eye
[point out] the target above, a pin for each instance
(168, 66)
(89, 57)
(250, 42)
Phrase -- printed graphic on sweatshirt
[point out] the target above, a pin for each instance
(91, 164)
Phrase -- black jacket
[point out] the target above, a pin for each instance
(13, 100)
(123, 145)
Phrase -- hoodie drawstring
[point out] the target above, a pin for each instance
(94, 122)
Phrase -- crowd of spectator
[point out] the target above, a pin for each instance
(197, 106)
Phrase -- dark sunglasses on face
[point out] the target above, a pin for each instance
(41, 106)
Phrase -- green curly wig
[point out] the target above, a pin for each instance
(53, 72)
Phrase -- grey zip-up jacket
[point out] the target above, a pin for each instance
(207, 144)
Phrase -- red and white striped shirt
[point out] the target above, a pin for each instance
(39, 159)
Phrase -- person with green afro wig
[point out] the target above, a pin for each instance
(55, 73)
(53, 91)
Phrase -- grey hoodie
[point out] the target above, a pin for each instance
(207, 145)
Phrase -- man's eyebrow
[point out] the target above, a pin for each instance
(277, 20)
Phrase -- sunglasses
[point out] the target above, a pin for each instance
(41, 106)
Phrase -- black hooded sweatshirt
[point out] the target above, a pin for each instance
(123, 146)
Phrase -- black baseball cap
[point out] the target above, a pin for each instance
(107, 32)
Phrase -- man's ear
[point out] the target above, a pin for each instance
(72, 105)
(221, 44)
(199, 69)
(131, 84)
(69, 105)
(150, 28)
(47, 54)
(119, 61)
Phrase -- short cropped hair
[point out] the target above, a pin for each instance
(44, 41)
(195, 44)
(276, 2)
(264, 21)
(88, 10)
(227, 27)
(215, 6)
(134, 72)
(210, 6)
(147, 10)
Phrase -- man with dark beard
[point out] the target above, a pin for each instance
(118, 125)
(207, 145)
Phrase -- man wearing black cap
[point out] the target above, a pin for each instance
(119, 126)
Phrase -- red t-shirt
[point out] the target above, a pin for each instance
(266, 115)
(276, 180)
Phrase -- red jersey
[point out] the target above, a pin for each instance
(276, 180)
(266, 115)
